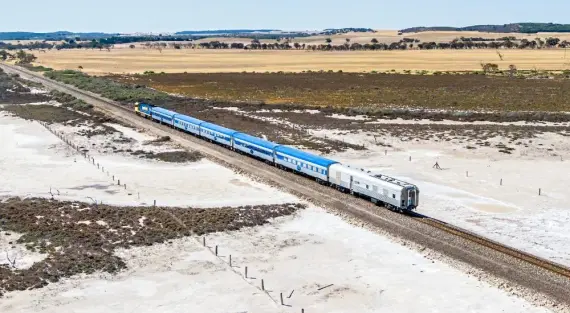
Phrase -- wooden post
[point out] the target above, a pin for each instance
(302, 310)
(125, 186)
(501, 181)
(539, 191)
(246, 272)
(385, 152)
(410, 158)
(466, 173)
(216, 250)
(118, 182)
(155, 205)
(262, 285)
(281, 296)
(230, 260)
(203, 240)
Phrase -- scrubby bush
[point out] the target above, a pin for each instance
(106, 87)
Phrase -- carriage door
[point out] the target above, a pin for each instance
(411, 196)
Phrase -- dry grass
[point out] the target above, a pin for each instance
(212, 61)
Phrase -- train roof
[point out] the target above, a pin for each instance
(189, 119)
(218, 128)
(163, 111)
(256, 140)
(299, 154)
(385, 178)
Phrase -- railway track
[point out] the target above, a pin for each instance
(522, 268)
(516, 253)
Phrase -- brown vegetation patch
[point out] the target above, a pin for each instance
(372, 91)
(170, 156)
(13, 91)
(54, 228)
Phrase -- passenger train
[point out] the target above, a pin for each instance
(393, 193)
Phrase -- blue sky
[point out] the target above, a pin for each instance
(177, 15)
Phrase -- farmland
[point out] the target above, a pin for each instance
(140, 60)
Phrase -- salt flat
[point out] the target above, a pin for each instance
(468, 193)
(33, 161)
(368, 272)
(295, 256)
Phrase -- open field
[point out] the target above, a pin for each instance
(214, 61)
(389, 36)
(370, 91)
(164, 268)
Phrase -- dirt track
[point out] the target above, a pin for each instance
(491, 261)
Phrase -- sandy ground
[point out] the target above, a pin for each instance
(368, 272)
(480, 189)
(468, 191)
(16, 255)
(213, 61)
(295, 256)
(33, 160)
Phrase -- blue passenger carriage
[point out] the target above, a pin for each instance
(304, 162)
(143, 109)
(162, 115)
(217, 133)
(255, 146)
(187, 123)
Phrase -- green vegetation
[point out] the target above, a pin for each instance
(107, 88)
(70, 101)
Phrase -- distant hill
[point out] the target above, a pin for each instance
(50, 36)
(226, 31)
(527, 28)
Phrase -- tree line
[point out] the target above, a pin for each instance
(286, 44)
(403, 44)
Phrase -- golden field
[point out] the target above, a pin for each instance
(212, 61)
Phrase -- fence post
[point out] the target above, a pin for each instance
(262, 285)
(230, 260)
(216, 250)
(281, 296)
(246, 272)
(539, 191)
(501, 181)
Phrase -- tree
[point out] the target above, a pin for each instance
(490, 67)
(552, 42)
(25, 58)
(328, 40)
(347, 40)
(512, 70)
(374, 41)
(4, 55)
(132, 46)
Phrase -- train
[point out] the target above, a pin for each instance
(390, 192)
